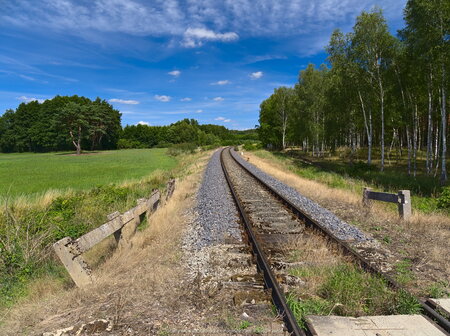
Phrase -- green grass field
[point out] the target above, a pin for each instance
(29, 173)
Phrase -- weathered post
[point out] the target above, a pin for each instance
(366, 200)
(73, 262)
(118, 233)
(404, 204)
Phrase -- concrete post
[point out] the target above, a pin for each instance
(118, 233)
(366, 201)
(78, 269)
(404, 205)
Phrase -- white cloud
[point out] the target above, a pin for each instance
(163, 98)
(186, 99)
(218, 99)
(221, 82)
(256, 75)
(27, 77)
(30, 99)
(143, 123)
(124, 101)
(175, 73)
(199, 111)
(222, 119)
(194, 21)
(194, 37)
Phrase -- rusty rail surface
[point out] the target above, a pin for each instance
(428, 310)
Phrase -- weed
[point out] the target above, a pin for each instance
(440, 289)
(405, 303)
(259, 330)
(244, 325)
(387, 239)
(302, 308)
(403, 269)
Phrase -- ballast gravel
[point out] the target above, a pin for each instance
(215, 222)
(217, 217)
(341, 229)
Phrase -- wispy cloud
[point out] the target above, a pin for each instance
(218, 99)
(143, 123)
(30, 99)
(256, 75)
(222, 119)
(163, 98)
(199, 111)
(124, 101)
(185, 99)
(194, 37)
(221, 82)
(175, 73)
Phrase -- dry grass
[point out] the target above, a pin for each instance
(423, 239)
(137, 287)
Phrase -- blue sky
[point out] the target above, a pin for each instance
(164, 60)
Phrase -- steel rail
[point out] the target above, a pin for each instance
(441, 321)
(262, 263)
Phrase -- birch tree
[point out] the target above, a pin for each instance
(372, 47)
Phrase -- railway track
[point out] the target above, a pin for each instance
(277, 230)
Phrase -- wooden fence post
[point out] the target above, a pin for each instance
(404, 205)
(73, 262)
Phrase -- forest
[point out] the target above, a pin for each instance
(66, 123)
(380, 92)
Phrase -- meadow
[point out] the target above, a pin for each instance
(31, 173)
(45, 197)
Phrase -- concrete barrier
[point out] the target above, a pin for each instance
(122, 226)
(402, 199)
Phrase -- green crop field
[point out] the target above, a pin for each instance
(26, 173)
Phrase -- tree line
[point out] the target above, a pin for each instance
(376, 90)
(183, 131)
(63, 123)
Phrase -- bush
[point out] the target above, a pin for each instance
(443, 201)
(252, 146)
(182, 148)
(128, 144)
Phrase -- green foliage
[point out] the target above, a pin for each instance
(182, 148)
(348, 291)
(244, 325)
(443, 201)
(403, 270)
(58, 122)
(182, 132)
(379, 90)
(440, 289)
(302, 308)
(252, 146)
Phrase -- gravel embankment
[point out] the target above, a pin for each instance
(341, 229)
(216, 215)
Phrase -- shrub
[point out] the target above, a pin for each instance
(128, 144)
(182, 148)
(443, 200)
(252, 146)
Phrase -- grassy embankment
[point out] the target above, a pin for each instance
(45, 197)
(347, 172)
(417, 245)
